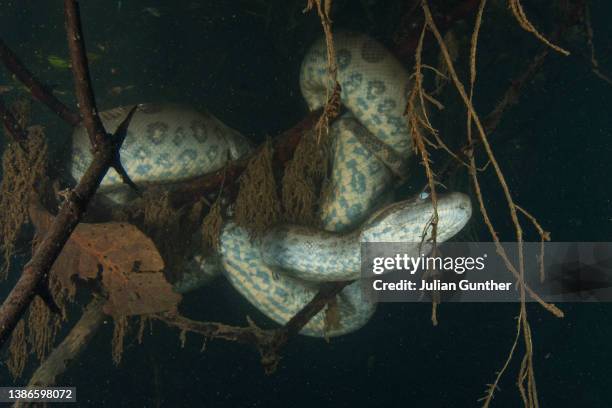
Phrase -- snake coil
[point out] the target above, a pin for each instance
(281, 272)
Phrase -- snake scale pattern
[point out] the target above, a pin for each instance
(164, 143)
(281, 272)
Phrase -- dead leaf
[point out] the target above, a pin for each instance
(123, 257)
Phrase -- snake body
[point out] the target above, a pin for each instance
(326, 256)
(280, 272)
(164, 143)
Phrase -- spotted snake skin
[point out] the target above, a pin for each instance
(280, 272)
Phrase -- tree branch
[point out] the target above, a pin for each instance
(37, 89)
(80, 70)
(69, 349)
(268, 342)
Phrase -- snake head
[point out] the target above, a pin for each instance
(410, 220)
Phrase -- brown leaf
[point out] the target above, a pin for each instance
(141, 293)
(126, 260)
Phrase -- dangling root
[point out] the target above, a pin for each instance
(23, 170)
(332, 315)
(211, 226)
(521, 17)
(119, 332)
(257, 204)
(171, 229)
(142, 323)
(332, 106)
(159, 215)
(441, 80)
(18, 351)
(526, 372)
(42, 328)
(418, 122)
(303, 180)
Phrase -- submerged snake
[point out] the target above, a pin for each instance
(281, 272)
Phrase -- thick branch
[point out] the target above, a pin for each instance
(37, 89)
(82, 81)
(70, 348)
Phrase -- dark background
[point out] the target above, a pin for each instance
(240, 60)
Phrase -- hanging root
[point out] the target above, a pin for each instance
(494, 386)
(43, 325)
(588, 28)
(257, 204)
(305, 173)
(143, 321)
(510, 201)
(332, 106)
(119, 332)
(332, 316)
(303, 180)
(521, 17)
(18, 351)
(170, 229)
(441, 80)
(417, 121)
(526, 373)
(159, 215)
(211, 226)
(23, 170)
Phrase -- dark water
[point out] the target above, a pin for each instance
(240, 60)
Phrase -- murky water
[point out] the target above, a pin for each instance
(241, 60)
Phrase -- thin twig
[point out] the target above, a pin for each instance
(521, 17)
(591, 46)
(512, 209)
(511, 96)
(417, 119)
